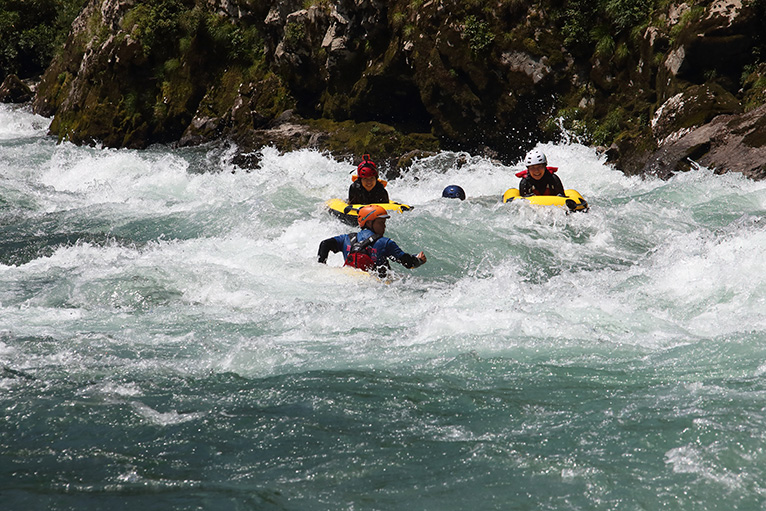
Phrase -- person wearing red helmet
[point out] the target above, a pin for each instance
(366, 188)
(369, 249)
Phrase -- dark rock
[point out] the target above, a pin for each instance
(396, 78)
(408, 158)
(729, 143)
(692, 107)
(13, 90)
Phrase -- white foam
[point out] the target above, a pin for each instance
(18, 123)
(654, 264)
(703, 462)
(164, 418)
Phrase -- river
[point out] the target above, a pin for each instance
(168, 340)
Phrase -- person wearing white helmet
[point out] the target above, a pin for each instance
(539, 179)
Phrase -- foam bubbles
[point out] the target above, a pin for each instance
(191, 244)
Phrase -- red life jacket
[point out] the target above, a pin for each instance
(549, 190)
(524, 172)
(360, 253)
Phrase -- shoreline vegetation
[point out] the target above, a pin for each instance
(659, 86)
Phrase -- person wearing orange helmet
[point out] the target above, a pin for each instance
(369, 249)
(367, 188)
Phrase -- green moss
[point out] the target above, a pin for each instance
(621, 53)
(755, 94)
(62, 84)
(171, 66)
(348, 137)
(687, 18)
(619, 19)
(530, 46)
(271, 96)
(626, 14)
(129, 103)
(221, 95)
(295, 32)
(609, 127)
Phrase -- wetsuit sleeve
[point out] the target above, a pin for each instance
(558, 188)
(400, 256)
(327, 246)
(525, 189)
(355, 194)
(382, 194)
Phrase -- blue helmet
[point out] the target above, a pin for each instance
(454, 192)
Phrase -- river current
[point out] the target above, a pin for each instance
(168, 340)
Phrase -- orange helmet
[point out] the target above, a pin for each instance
(367, 168)
(369, 213)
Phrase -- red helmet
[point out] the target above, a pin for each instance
(369, 213)
(367, 168)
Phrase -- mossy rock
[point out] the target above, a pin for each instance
(695, 106)
(382, 140)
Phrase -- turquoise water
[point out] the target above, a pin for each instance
(167, 340)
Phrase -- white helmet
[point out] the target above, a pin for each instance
(535, 157)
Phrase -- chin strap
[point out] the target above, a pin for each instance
(381, 181)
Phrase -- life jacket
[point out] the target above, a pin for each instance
(360, 253)
(525, 172)
(549, 186)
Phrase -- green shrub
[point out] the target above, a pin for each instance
(622, 17)
(295, 32)
(31, 31)
(398, 19)
(609, 127)
(154, 23)
(626, 14)
(605, 46)
(478, 33)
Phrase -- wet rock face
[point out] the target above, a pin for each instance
(691, 108)
(322, 48)
(441, 73)
(719, 42)
(730, 143)
(702, 116)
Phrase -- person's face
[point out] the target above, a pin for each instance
(369, 182)
(537, 171)
(378, 226)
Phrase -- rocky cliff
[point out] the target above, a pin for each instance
(655, 83)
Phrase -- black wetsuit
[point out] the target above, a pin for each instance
(550, 184)
(358, 195)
